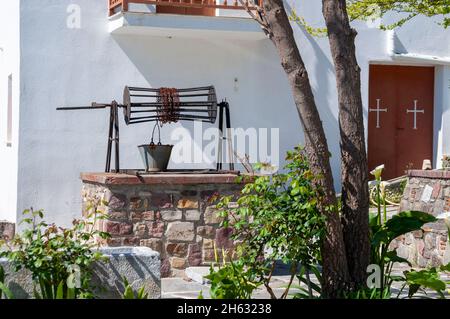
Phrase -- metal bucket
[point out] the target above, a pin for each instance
(155, 156)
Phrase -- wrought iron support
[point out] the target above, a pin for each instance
(224, 110)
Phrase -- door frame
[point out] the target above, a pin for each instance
(438, 101)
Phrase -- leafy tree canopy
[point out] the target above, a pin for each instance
(372, 9)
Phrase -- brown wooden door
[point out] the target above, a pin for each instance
(186, 11)
(400, 117)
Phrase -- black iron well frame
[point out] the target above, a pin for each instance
(223, 110)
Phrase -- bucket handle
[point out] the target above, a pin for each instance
(153, 134)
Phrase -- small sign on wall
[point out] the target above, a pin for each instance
(426, 195)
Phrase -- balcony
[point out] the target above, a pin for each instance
(183, 18)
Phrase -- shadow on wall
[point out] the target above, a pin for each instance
(247, 73)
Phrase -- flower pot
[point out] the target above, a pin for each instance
(155, 156)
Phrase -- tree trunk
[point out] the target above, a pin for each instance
(335, 271)
(354, 172)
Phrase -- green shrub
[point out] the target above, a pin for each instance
(59, 258)
(276, 218)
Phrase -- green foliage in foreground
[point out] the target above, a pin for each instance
(276, 219)
(129, 293)
(58, 258)
(4, 290)
(382, 233)
(232, 281)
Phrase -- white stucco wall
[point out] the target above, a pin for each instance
(9, 65)
(66, 67)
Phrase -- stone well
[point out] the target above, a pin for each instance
(427, 191)
(173, 214)
(7, 230)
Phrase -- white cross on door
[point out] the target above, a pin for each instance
(378, 110)
(415, 111)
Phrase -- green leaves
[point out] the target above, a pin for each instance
(56, 257)
(384, 234)
(428, 278)
(406, 222)
(129, 292)
(391, 256)
(278, 215)
(4, 290)
(232, 281)
(407, 10)
(398, 225)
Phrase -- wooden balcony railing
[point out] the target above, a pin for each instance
(193, 5)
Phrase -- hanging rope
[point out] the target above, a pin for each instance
(169, 109)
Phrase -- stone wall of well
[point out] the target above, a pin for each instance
(427, 191)
(177, 219)
(7, 230)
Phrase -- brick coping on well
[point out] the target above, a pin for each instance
(435, 174)
(168, 179)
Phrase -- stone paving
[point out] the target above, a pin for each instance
(186, 288)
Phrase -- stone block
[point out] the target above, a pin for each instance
(117, 201)
(140, 230)
(114, 242)
(180, 231)
(136, 216)
(193, 215)
(153, 243)
(438, 207)
(188, 204)
(177, 263)
(422, 261)
(208, 244)
(7, 230)
(125, 229)
(161, 201)
(430, 241)
(195, 255)
(223, 238)
(420, 246)
(417, 234)
(155, 229)
(436, 190)
(140, 265)
(177, 249)
(206, 231)
(409, 239)
(211, 216)
(210, 256)
(403, 251)
(136, 203)
(131, 241)
(171, 215)
(166, 271)
(120, 215)
(148, 215)
(112, 227)
(436, 259)
(447, 192)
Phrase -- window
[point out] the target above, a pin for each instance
(9, 113)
